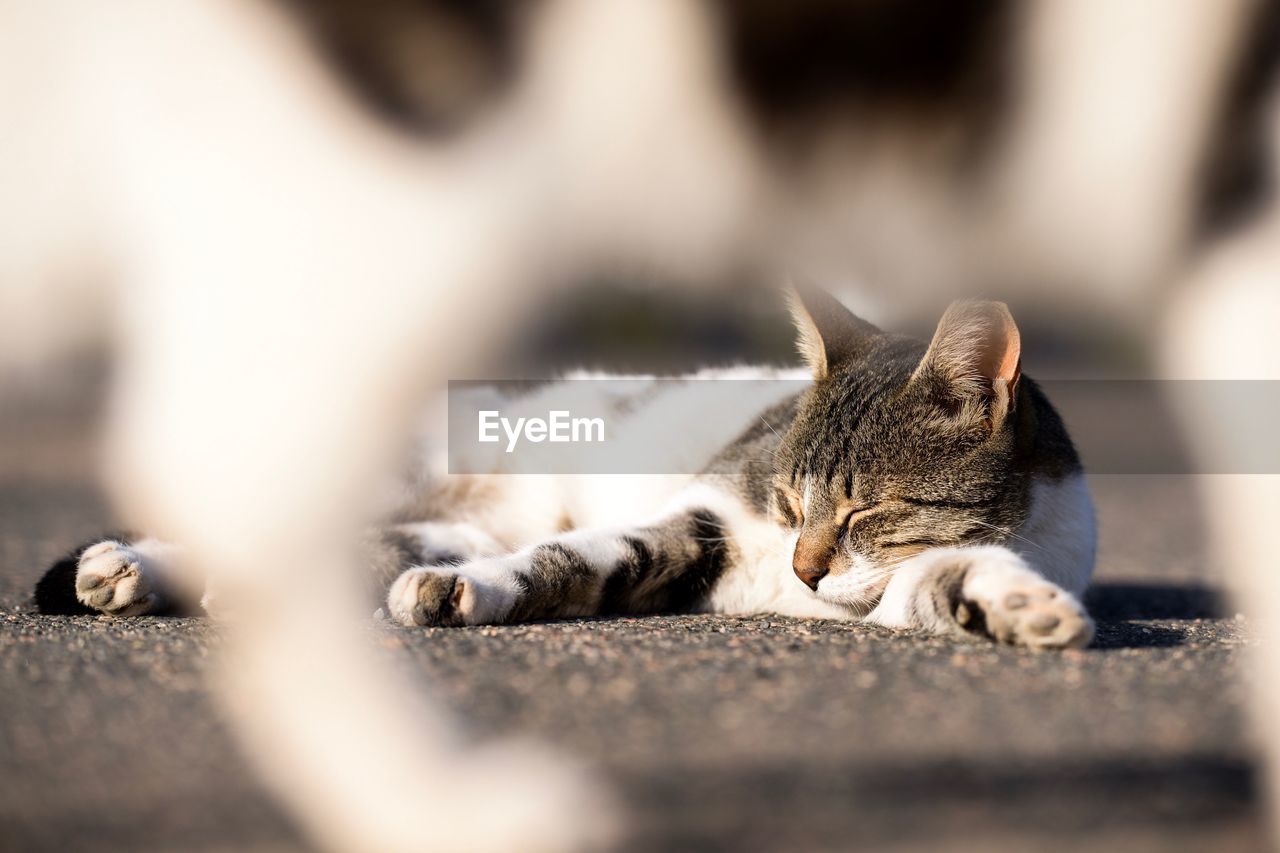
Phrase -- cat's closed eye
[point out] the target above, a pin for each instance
(790, 505)
(849, 514)
(852, 512)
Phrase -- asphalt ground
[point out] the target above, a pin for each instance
(760, 733)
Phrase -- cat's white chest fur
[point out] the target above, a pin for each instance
(1059, 536)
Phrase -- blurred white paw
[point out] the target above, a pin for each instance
(114, 579)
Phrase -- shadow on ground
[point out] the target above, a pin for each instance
(1152, 615)
(1111, 600)
(947, 805)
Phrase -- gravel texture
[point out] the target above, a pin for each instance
(720, 733)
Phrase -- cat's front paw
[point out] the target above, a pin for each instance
(430, 598)
(112, 578)
(453, 595)
(1022, 609)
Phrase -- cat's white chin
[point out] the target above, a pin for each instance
(858, 596)
(857, 588)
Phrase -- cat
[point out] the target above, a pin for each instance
(109, 238)
(930, 488)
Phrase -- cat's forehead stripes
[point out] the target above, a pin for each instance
(818, 500)
(844, 417)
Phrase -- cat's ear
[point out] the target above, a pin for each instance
(976, 356)
(828, 334)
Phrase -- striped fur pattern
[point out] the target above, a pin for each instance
(927, 487)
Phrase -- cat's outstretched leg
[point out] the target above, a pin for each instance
(670, 566)
(983, 592)
(117, 576)
(123, 575)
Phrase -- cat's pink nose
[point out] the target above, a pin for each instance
(810, 575)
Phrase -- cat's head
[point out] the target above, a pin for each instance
(899, 446)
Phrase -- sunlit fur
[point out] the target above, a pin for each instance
(897, 473)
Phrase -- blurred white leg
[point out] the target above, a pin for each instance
(272, 343)
(1224, 327)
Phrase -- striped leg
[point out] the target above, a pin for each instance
(668, 567)
(985, 592)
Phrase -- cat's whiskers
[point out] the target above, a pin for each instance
(1007, 532)
(771, 429)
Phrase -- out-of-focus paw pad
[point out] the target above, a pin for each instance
(112, 578)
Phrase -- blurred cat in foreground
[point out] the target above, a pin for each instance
(291, 220)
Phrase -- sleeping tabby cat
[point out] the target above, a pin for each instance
(932, 488)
